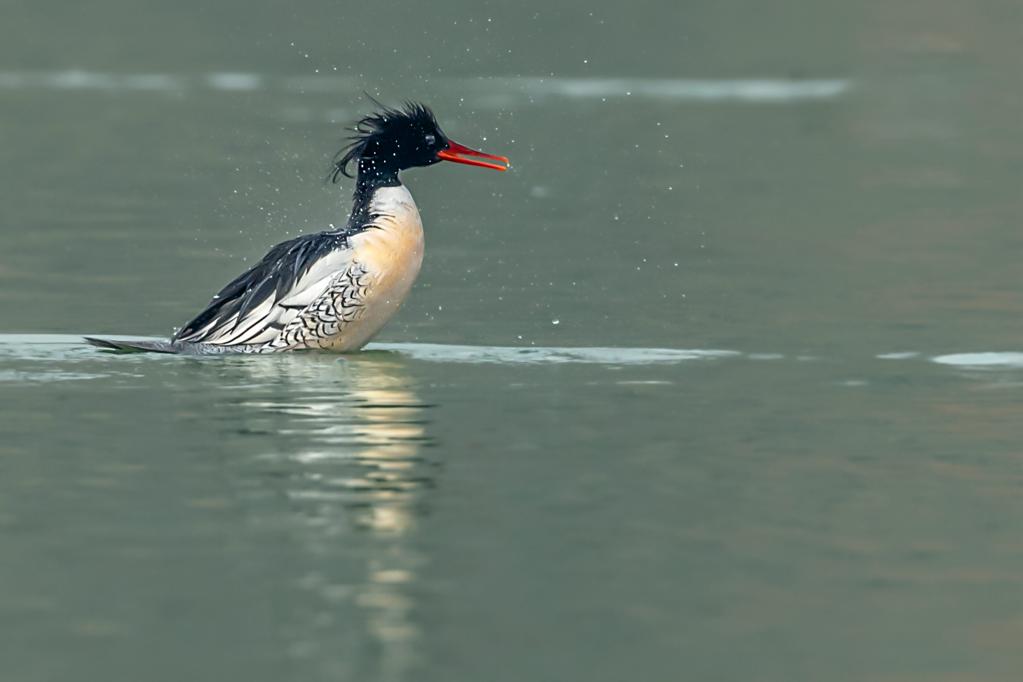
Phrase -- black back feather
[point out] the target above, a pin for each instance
(275, 275)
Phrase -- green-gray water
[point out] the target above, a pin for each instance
(721, 382)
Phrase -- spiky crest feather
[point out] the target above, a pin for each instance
(375, 126)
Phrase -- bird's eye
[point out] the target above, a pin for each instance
(430, 140)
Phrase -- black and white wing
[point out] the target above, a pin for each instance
(259, 303)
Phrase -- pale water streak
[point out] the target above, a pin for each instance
(549, 355)
(71, 348)
(505, 89)
(709, 90)
(982, 360)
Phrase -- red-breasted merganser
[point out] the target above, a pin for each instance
(333, 290)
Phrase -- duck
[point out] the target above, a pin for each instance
(332, 291)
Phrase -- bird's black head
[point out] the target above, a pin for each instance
(395, 139)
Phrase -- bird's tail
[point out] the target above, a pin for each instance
(172, 347)
(134, 346)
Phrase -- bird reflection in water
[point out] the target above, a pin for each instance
(347, 456)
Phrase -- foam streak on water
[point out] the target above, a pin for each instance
(548, 355)
(710, 90)
(982, 360)
(72, 347)
(762, 90)
(61, 346)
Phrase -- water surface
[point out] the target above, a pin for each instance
(721, 382)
